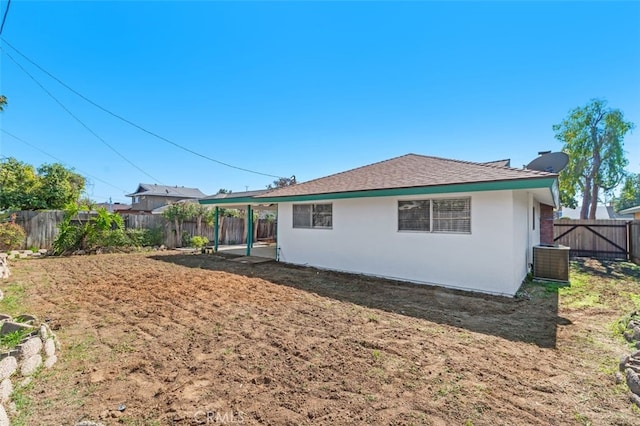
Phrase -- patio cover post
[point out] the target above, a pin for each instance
(249, 229)
(215, 229)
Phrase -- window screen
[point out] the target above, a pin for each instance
(414, 215)
(302, 215)
(312, 215)
(452, 215)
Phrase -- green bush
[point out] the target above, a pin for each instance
(199, 242)
(11, 236)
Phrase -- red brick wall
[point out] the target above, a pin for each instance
(546, 224)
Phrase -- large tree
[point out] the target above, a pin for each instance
(593, 138)
(3, 102)
(52, 186)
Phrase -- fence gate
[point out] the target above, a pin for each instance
(602, 239)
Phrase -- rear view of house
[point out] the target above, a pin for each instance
(421, 219)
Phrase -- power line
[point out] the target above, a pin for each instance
(59, 160)
(131, 123)
(80, 121)
(4, 17)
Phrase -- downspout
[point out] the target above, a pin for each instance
(249, 229)
(276, 230)
(215, 229)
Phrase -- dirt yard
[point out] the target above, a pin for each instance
(198, 339)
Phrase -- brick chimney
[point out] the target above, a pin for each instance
(546, 224)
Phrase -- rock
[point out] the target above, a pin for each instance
(50, 361)
(31, 347)
(14, 252)
(633, 381)
(4, 419)
(8, 366)
(43, 251)
(50, 347)
(635, 399)
(618, 378)
(30, 365)
(25, 382)
(6, 388)
(10, 327)
(636, 333)
(44, 332)
(623, 362)
(25, 318)
(4, 268)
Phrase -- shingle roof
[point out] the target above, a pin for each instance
(167, 191)
(407, 171)
(242, 194)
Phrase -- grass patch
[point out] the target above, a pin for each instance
(13, 301)
(10, 340)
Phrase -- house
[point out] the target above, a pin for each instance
(417, 218)
(114, 207)
(633, 212)
(602, 212)
(151, 196)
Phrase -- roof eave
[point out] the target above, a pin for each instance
(515, 184)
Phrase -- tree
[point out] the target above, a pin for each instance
(3, 102)
(630, 193)
(18, 184)
(58, 186)
(52, 187)
(282, 182)
(593, 138)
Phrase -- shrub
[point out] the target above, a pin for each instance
(199, 242)
(11, 236)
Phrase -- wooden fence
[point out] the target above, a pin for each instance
(634, 241)
(601, 238)
(41, 228)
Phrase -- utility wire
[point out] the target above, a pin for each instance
(4, 17)
(80, 121)
(59, 160)
(131, 123)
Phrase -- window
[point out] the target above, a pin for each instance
(414, 215)
(452, 215)
(440, 215)
(313, 216)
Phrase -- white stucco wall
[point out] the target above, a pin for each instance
(365, 239)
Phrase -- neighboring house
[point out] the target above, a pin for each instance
(602, 212)
(150, 196)
(417, 218)
(634, 211)
(114, 207)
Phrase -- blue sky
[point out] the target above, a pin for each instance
(306, 88)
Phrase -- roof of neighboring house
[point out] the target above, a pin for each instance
(499, 163)
(230, 195)
(408, 171)
(601, 212)
(630, 210)
(114, 206)
(166, 191)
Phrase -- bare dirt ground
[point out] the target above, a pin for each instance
(198, 339)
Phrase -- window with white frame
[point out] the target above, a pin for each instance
(313, 216)
(448, 215)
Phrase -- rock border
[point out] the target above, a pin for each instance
(630, 364)
(38, 349)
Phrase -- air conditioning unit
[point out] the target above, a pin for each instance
(551, 263)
